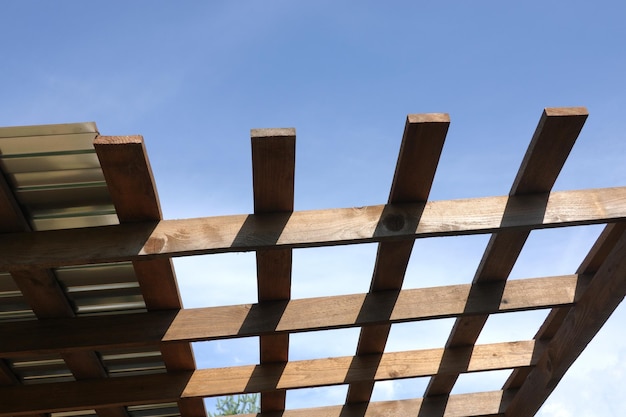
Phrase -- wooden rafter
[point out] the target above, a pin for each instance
(273, 176)
(548, 150)
(422, 143)
(128, 174)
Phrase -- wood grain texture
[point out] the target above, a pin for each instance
(605, 292)
(345, 370)
(554, 137)
(463, 405)
(273, 168)
(130, 181)
(273, 178)
(149, 329)
(549, 148)
(420, 149)
(129, 177)
(168, 238)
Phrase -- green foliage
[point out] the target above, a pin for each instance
(240, 404)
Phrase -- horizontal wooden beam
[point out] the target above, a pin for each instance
(349, 369)
(240, 233)
(19, 400)
(463, 405)
(158, 388)
(141, 329)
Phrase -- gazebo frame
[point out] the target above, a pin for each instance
(580, 303)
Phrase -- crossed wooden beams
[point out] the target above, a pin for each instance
(581, 302)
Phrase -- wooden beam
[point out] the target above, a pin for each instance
(605, 292)
(549, 148)
(420, 149)
(302, 315)
(345, 370)
(129, 178)
(155, 388)
(168, 238)
(547, 152)
(273, 178)
(92, 394)
(130, 181)
(464, 405)
(273, 167)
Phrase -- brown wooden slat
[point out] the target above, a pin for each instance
(155, 388)
(605, 292)
(273, 167)
(130, 181)
(221, 234)
(552, 142)
(345, 370)
(131, 185)
(273, 174)
(464, 405)
(84, 364)
(148, 329)
(549, 148)
(92, 394)
(129, 178)
(422, 143)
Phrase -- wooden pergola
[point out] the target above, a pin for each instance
(579, 303)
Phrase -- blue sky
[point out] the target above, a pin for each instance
(193, 78)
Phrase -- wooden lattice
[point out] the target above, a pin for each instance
(580, 302)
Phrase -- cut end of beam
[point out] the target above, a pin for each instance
(566, 111)
(117, 140)
(429, 118)
(272, 132)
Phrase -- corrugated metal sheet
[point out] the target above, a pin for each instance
(55, 176)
